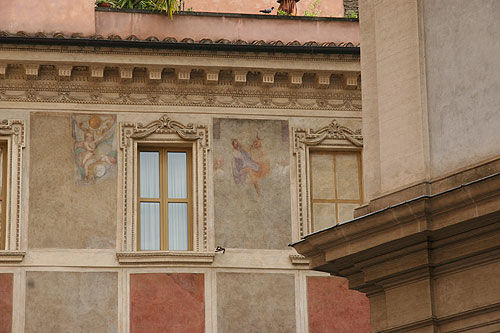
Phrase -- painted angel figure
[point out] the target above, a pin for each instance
(255, 164)
(93, 160)
(241, 163)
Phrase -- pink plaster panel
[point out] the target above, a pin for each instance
(334, 8)
(6, 284)
(332, 307)
(167, 303)
(198, 27)
(48, 16)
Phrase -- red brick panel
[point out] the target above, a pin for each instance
(6, 284)
(167, 303)
(332, 307)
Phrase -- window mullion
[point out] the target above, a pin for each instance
(164, 199)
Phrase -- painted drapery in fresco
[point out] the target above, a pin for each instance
(94, 146)
(252, 183)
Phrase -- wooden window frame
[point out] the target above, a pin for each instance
(335, 201)
(170, 134)
(12, 138)
(163, 199)
(332, 137)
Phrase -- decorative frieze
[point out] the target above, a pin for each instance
(154, 73)
(126, 73)
(31, 70)
(323, 80)
(268, 78)
(3, 70)
(212, 76)
(64, 71)
(240, 77)
(183, 75)
(295, 79)
(351, 80)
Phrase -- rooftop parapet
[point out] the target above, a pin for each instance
(81, 18)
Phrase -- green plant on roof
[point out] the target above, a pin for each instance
(282, 13)
(314, 9)
(351, 14)
(169, 6)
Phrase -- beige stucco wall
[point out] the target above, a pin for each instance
(461, 44)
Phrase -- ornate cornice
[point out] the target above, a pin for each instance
(312, 137)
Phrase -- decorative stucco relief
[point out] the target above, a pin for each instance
(183, 96)
(331, 137)
(169, 132)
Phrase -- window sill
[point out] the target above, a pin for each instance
(165, 257)
(11, 256)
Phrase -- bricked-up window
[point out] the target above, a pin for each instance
(3, 191)
(164, 199)
(336, 188)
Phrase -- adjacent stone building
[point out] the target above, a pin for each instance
(424, 246)
(154, 171)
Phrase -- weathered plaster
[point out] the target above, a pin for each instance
(167, 303)
(6, 299)
(255, 302)
(251, 183)
(64, 212)
(332, 307)
(71, 302)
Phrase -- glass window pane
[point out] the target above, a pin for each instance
(346, 211)
(150, 174)
(177, 175)
(150, 226)
(177, 226)
(348, 176)
(324, 215)
(323, 176)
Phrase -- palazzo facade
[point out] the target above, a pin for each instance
(154, 171)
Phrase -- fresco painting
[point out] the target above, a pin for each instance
(252, 183)
(94, 146)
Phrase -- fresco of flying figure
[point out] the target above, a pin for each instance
(253, 163)
(94, 146)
